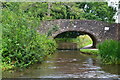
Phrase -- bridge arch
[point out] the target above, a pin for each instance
(85, 32)
(97, 30)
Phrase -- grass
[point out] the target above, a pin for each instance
(89, 51)
(110, 52)
(84, 40)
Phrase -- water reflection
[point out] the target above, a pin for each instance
(90, 61)
(67, 46)
(68, 64)
(113, 69)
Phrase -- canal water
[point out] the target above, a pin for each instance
(68, 64)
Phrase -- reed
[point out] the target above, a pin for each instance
(109, 52)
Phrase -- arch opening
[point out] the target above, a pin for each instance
(77, 35)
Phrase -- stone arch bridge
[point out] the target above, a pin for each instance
(97, 30)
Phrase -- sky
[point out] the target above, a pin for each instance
(115, 4)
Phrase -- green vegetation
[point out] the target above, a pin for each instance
(22, 45)
(54, 28)
(81, 10)
(65, 10)
(90, 51)
(109, 52)
(82, 40)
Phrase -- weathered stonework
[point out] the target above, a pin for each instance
(97, 30)
(118, 31)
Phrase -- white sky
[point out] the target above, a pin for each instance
(115, 4)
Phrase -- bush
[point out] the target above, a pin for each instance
(22, 45)
(109, 52)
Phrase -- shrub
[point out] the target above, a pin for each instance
(109, 52)
(22, 45)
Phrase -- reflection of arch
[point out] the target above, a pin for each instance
(89, 33)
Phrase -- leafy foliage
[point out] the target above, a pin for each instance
(53, 29)
(98, 11)
(22, 44)
(109, 52)
(66, 10)
(83, 10)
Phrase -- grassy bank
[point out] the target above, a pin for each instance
(90, 51)
(109, 52)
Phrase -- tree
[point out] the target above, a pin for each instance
(66, 10)
(98, 11)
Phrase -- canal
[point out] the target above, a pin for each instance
(68, 64)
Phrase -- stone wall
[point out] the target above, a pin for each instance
(118, 31)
